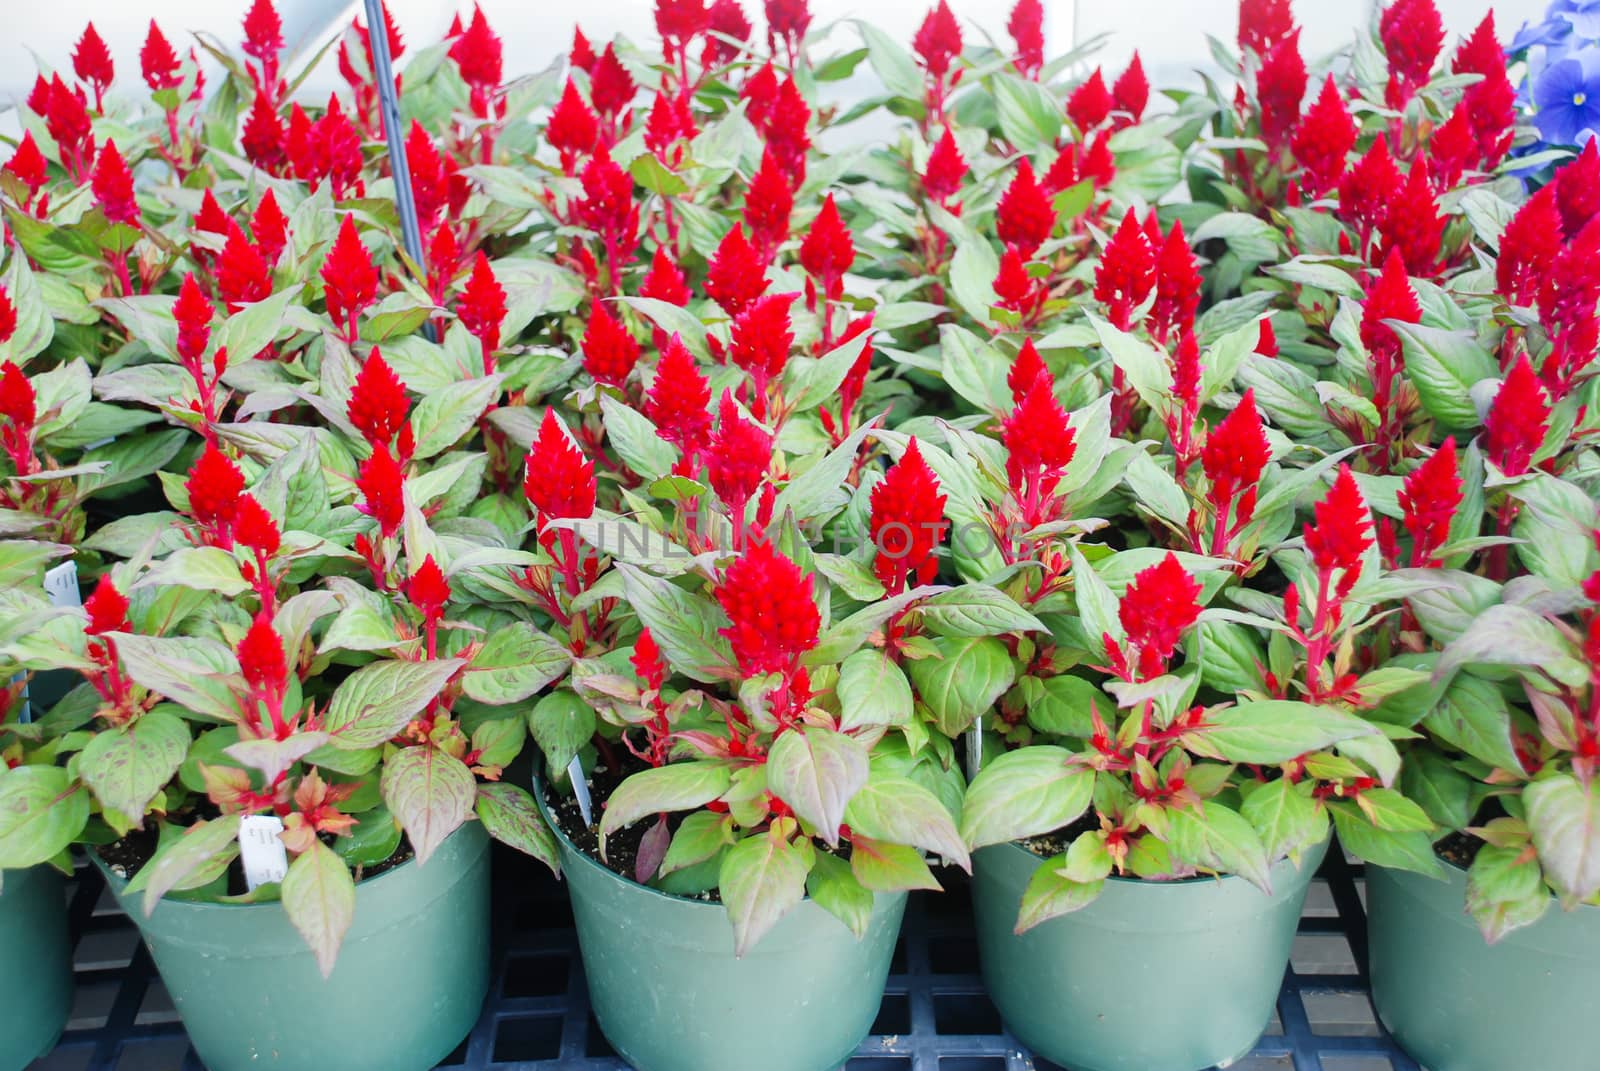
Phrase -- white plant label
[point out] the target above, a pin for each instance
(580, 789)
(61, 585)
(261, 850)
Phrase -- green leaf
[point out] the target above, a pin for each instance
(700, 836)
(1088, 858)
(635, 438)
(1473, 716)
(376, 701)
(1505, 891)
(1564, 818)
(128, 765)
(761, 879)
(1272, 731)
(197, 568)
(173, 667)
(674, 320)
(444, 416)
(1393, 813)
(683, 625)
(972, 273)
(374, 839)
(1030, 118)
(681, 786)
(976, 610)
(900, 811)
(1062, 706)
(1217, 838)
(1511, 635)
(816, 771)
(965, 680)
(1401, 851)
(430, 793)
(510, 816)
(884, 867)
(1286, 816)
(181, 856)
(836, 890)
(899, 71)
(1443, 366)
(1147, 371)
(1441, 790)
(252, 328)
(514, 663)
(872, 690)
(1050, 894)
(320, 899)
(561, 723)
(1025, 793)
(41, 813)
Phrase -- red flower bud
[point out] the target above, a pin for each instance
(1027, 369)
(573, 128)
(263, 135)
(1412, 35)
(1453, 148)
(261, 657)
(211, 219)
(243, 275)
(1025, 216)
(349, 276)
(193, 312)
(378, 402)
(428, 589)
(788, 19)
(28, 164)
(1038, 439)
(18, 402)
(762, 336)
(937, 41)
(647, 662)
(679, 398)
(1234, 457)
(582, 55)
(478, 54)
(1323, 140)
(680, 20)
(788, 130)
(728, 20)
(946, 170)
(482, 307)
(107, 609)
(382, 486)
(828, 250)
(1263, 23)
(609, 349)
(1429, 498)
(1390, 298)
(1090, 103)
(254, 527)
(1160, 605)
(611, 87)
(1412, 225)
(1341, 530)
(1490, 104)
(8, 316)
(1280, 87)
(736, 275)
(772, 615)
(739, 455)
(91, 62)
(1369, 187)
(270, 227)
(1177, 282)
(906, 522)
(113, 187)
(1518, 419)
(1578, 190)
(608, 208)
(1131, 92)
(158, 62)
(560, 481)
(263, 31)
(214, 486)
(66, 117)
(768, 205)
(1126, 274)
(1026, 27)
(664, 282)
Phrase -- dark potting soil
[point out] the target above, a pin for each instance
(1459, 849)
(1053, 844)
(622, 847)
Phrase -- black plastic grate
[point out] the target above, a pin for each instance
(935, 1015)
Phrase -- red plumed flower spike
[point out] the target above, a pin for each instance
(727, 20)
(1131, 92)
(1323, 140)
(582, 55)
(1491, 103)
(1038, 439)
(1429, 498)
(1517, 421)
(1341, 530)
(263, 31)
(1016, 289)
(1280, 87)
(1481, 52)
(1090, 103)
(107, 609)
(1528, 246)
(768, 204)
(428, 589)
(671, 121)
(1453, 148)
(382, 486)
(482, 309)
(761, 338)
(91, 62)
(772, 615)
(243, 275)
(1177, 285)
(679, 400)
(478, 54)
(1413, 225)
(573, 128)
(378, 402)
(263, 134)
(664, 281)
(1160, 605)
(193, 312)
(1234, 457)
(609, 349)
(737, 275)
(679, 21)
(1391, 298)
(1369, 187)
(270, 227)
(211, 219)
(350, 278)
(8, 316)
(937, 41)
(946, 169)
(214, 486)
(158, 61)
(739, 455)
(1026, 215)
(1026, 27)
(28, 164)
(789, 20)
(1026, 370)
(559, 482)
(1263, 23)
(828, 251)
(611, 87)
(261, 657)
(1578, 190)
(18, 403)
(254, 527)
(646, 661)
(1412, 34)
(906, 522)
(113, 187)
(1126, 274)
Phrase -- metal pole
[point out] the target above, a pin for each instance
(389, 104)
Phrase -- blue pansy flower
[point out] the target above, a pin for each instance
(1567, 96)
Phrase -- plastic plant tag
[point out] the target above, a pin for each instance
(580, 789)
(61, 587)
(261, 850)
(975, 748)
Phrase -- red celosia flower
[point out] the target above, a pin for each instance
(481, 308)
(572, 129)
(107, 609)
(788, 130)
(1160, 605)
(760, 94)
(772, 615)
(38, 99)
(1235, 455)
(211, 219)
(855, 380)
(269, 227)
(559, 482)
(1267, 339)
(254, 527)
(349, 277)
(1518, 419)
(301, 146)
(17, 400)
(444, 257)
(1186, 373)
(1026, 369)
(942, 178)
(1177, 283)
(339, 151)
(1091, 162)
(1281, 86)
(262, 137)
(378, 402)
(609, 349)
(1131, 92)
(1090, 103)
(263, 31)
(827, 253)
(646, 660)
(193, 312)
(679, 20)
(938, 40)
(611, 87)
(428, 589)
(158, 62)
(1491, 103)
(1369, 187)
(582, 55)
(1026, 27)
(727, 21)
(1025, 216)
(113, 187)
(214, 486)
(1578, 190)
(907, 522)
(1017, 290)
(1039, 441)
(382, 487)
(478, 55)
(664, 282)
(91, 62)
(1429, 498)
(789, 20)
(1412, 35)
(427, 174)
(1341, 530)
(1126, 274)
(739, 455)
(1263, 23)
(261, 657)
(1413, 225)
(1480, 53)
(768, 205)
(671, 120)
(608, 207)
(8, 316)
(66, 117)
(736, 275)
(28, 164)
(762, 335)
(1453, 148)
(243, 275)
(1323, 140)
(679, 398)
(1390, 298)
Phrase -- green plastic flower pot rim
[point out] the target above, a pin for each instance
(36, 984)
(1457, 1003)
(409, 983)
(670, 996)
(1078, 990)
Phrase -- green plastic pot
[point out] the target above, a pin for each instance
(670, 996)
(1151, 976)
(408, 985)
(36, 985)
(1457, 1003)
